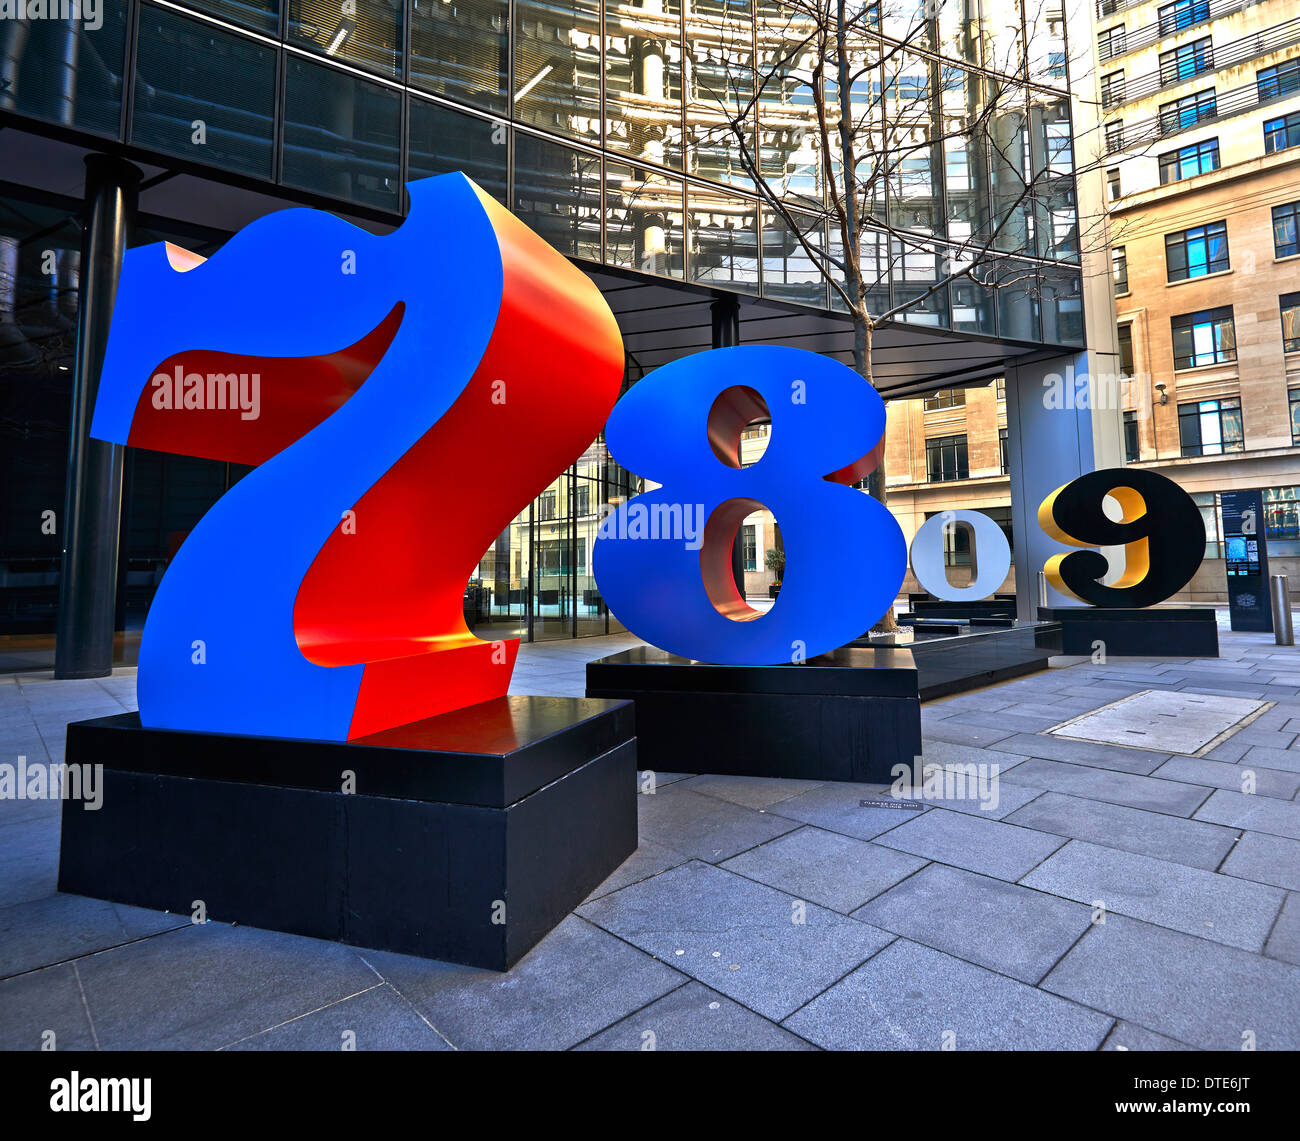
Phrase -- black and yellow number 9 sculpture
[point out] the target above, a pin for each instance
(1161, 532)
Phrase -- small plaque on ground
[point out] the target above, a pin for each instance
(879, 803)
(1165, 721)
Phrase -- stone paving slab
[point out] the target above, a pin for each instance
(833, 870)
(1285, 760)
(1220, 908)
(42, 1003)
(736, 936)
(1255, 813)
(375, 1019)
(946, 729)
(573, 984)
(1173, 838)
(1218, 774)
(1046, 747)
(693, 1017)
(1191, 989)
(1265, 859)
(998, 925)
(749, 792)
(988, 846)
(911, 997)
(60, 927)
(1150, 794)
(204, 987)
(838, 808)
(1284, 940)
(704, 827)
(1127, 1036)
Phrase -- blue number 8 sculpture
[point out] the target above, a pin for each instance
(663, 558)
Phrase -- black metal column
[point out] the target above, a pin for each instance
(93, 503)
(726, 332)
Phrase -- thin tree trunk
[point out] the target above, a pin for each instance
(862, 336)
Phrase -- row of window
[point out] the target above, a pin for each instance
(1209, 336)
(1186, 111)
(1210, 427)
(946, 457)
(1201, 250)
(1175, 17)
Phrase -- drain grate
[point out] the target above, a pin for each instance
(1166, 721)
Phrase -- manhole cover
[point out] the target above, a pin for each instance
(1165, 721)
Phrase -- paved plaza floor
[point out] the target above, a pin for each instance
(1098, 896)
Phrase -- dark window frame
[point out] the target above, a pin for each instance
(952, 455)
(1224, 349)
(1176, 160)
(1197, 251)
(1190, 439)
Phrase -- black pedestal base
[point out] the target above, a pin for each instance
(1151, 633)
(850, 715)
(954, 657)
(466, 837)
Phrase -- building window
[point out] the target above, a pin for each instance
(582, 503)
(945, 458)
(1112, 183)
(1112, 89)
(1187, 111)
(1207, 337)
(1282, 133)
(1281, 79)
(1002, 450)
(1293, 400)
(1000, 388)
(1110, 43)
(1290, 303)
(1286, 230)
(1115, 136)
(1210, 427)
(546, 504)
(1124, 334)
(749, 546)
(945, 398)
(1186, 162)
(1130, 437)
(1185, 61)
(1119, 269)
(1183, 14)
(1207, 503)
(1197, 251)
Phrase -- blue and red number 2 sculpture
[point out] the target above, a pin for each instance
(671, 583)
(413, 392)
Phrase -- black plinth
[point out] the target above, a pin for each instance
(467, 837)
(951, 658)
(986, 608)
(850, 715)
(1151, 633)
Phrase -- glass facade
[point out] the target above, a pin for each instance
(630, 135)
(626, 133)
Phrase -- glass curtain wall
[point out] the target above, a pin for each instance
(629, 133)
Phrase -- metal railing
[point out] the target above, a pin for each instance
(1173, 122)
(1220, 57)
(1137, 38)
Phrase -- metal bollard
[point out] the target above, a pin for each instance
(1042, 588)
(1283, 630)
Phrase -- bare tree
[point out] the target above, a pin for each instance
(886, 153)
